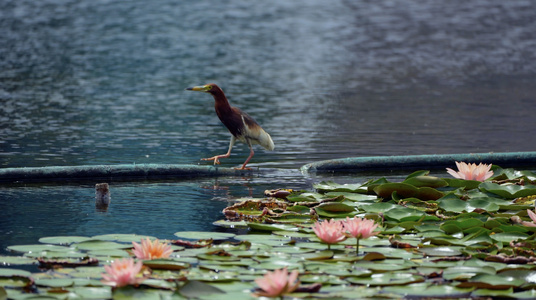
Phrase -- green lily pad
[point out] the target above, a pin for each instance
(272, 227)
(334, 210)
(101, 245)
(14, 272)
(404, 190)
(387, 279)
(441, 251)
(426, 181)
(63, 240)
(38, 248)
(55, 282)
(166, 264)
(335, 187)
(404, 214)
(121, 238)
(16, 260)
(200, 235)
(509, 191)
(461, 183)
(427, 291)
(507, 237)
(487, 281)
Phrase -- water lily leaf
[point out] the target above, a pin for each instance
(428, 193)
(361, 198)
(463, 273)
(379, 207)
(404, 214)
(426, 181)
(132, 293)
(450, 227)
(166, 264)
(101, 245)
(109, 253)
(121, 238)
(63, 240)
(507, 237)
(441, 251)
(195, 289)
(335, 187)
(334, 210)
(386, 265)
(461, 183)
(508, 191)
(83, 292)
(16, 260)
(473, 204)
(306, 197)
(402, 189)
(487, 281)
(299, 209)
(321, 255)
(55, 282)
(200, 235)
(387, 279)
(418, 173)
(230, 224)
(57, 254)
(427, 291)
(14, 272)
(38, 248)
(272, 227)
(529, 295)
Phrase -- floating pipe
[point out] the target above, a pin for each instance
(112, 172)
(419, 162)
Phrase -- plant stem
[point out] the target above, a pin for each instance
(357, 247)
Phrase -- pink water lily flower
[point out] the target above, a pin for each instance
(277, 283)
(466, 171)
(122, 272)
(359, 228)
(151, 250)
(532, 216)
(329, 231)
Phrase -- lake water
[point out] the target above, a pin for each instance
(102, 82)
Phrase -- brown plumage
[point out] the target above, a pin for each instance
(241, 125)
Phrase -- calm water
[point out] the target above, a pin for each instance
(102, 82)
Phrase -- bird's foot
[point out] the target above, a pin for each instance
(216, 159)
(242, 168)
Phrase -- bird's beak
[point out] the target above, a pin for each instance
(202, 88)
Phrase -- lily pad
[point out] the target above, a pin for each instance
(428, 181)
(38, 248)
(387, 279)
(509, 191)
(63, 240)
(166, 264)
(200, 235)
(101, 245)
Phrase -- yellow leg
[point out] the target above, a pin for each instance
(216, 158)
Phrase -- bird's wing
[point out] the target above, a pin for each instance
(255, 134)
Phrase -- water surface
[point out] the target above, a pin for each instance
(102, 82)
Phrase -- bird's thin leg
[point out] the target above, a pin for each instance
(216, 158)
(247, 160)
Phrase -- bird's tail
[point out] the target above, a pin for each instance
(265, 140)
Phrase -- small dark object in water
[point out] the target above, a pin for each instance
(102, 195)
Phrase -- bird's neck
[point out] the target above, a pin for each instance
(221, 102)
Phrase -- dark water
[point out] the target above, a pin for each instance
(102, 82)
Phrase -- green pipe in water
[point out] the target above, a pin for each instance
(420, 162)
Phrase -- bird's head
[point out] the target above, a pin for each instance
(207, 88)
